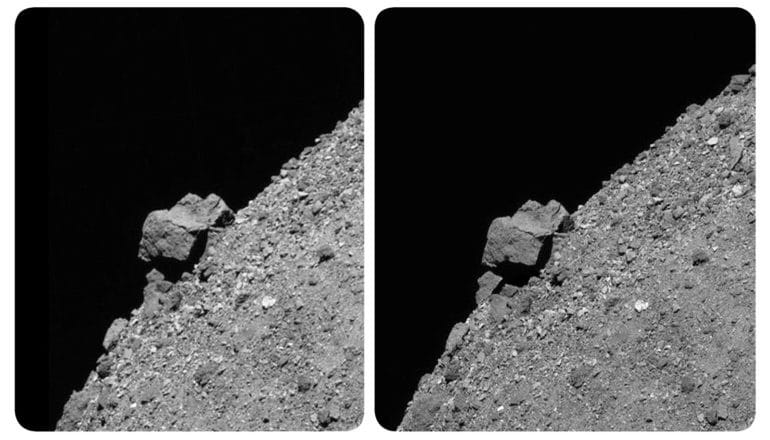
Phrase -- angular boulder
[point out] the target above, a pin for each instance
(177, 234)
(520, 238)
(488, 284)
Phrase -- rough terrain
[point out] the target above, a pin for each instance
(266, 332)
(642, 317)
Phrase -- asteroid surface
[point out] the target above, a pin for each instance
(266, 333)
(643, 317)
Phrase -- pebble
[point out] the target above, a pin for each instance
(711, 416)
(713, 141)
(268, 301)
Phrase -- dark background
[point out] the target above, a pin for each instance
(479, 110)
(123, 111)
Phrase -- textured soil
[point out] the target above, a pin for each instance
(643, 318)
(267, 332)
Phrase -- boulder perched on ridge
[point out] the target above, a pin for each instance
(519, 239)
(180, 232)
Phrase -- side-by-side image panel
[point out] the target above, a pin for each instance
(565, 219)
(203, 171)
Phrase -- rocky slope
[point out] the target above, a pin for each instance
(642, 317)
(266, 333)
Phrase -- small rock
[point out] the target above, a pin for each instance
(725, 119)
(640, 305)
(521, 304)
(738, 190)
(488, 284)
(452, 372)
(205, 373)
(557, 278)
(699, 257)
(499, 307)
(171, 301)
(324, 253)
(456, 336)
(113, 333)
(580, 375)
(712, 141)
(738, 82)
(656, 189)
(509, 290)
(423, 411)
(268, 301)
(304, 383)
(711, 416)
(104, 366)
(324, 417)
(154, 276)
(688, 384)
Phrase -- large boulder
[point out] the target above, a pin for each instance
(180, 232)
(519, 239)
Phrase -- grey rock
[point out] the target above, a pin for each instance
(580, 375)
(324, 253)
(725, 119)
(304, 384)
(423, 411)
(738, 82)
(174, 234)
(520, 238)
(104, 366)
(699, 257)
(509, 290)
(205, 373)
(170, 236)
(113, 333)
(488, 284)
(688, 384)
(521, 304)
(154, 276)
(711, 416)
(456, 336)
(500, 308)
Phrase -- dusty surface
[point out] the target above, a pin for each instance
(643, 318)
(267, 332)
